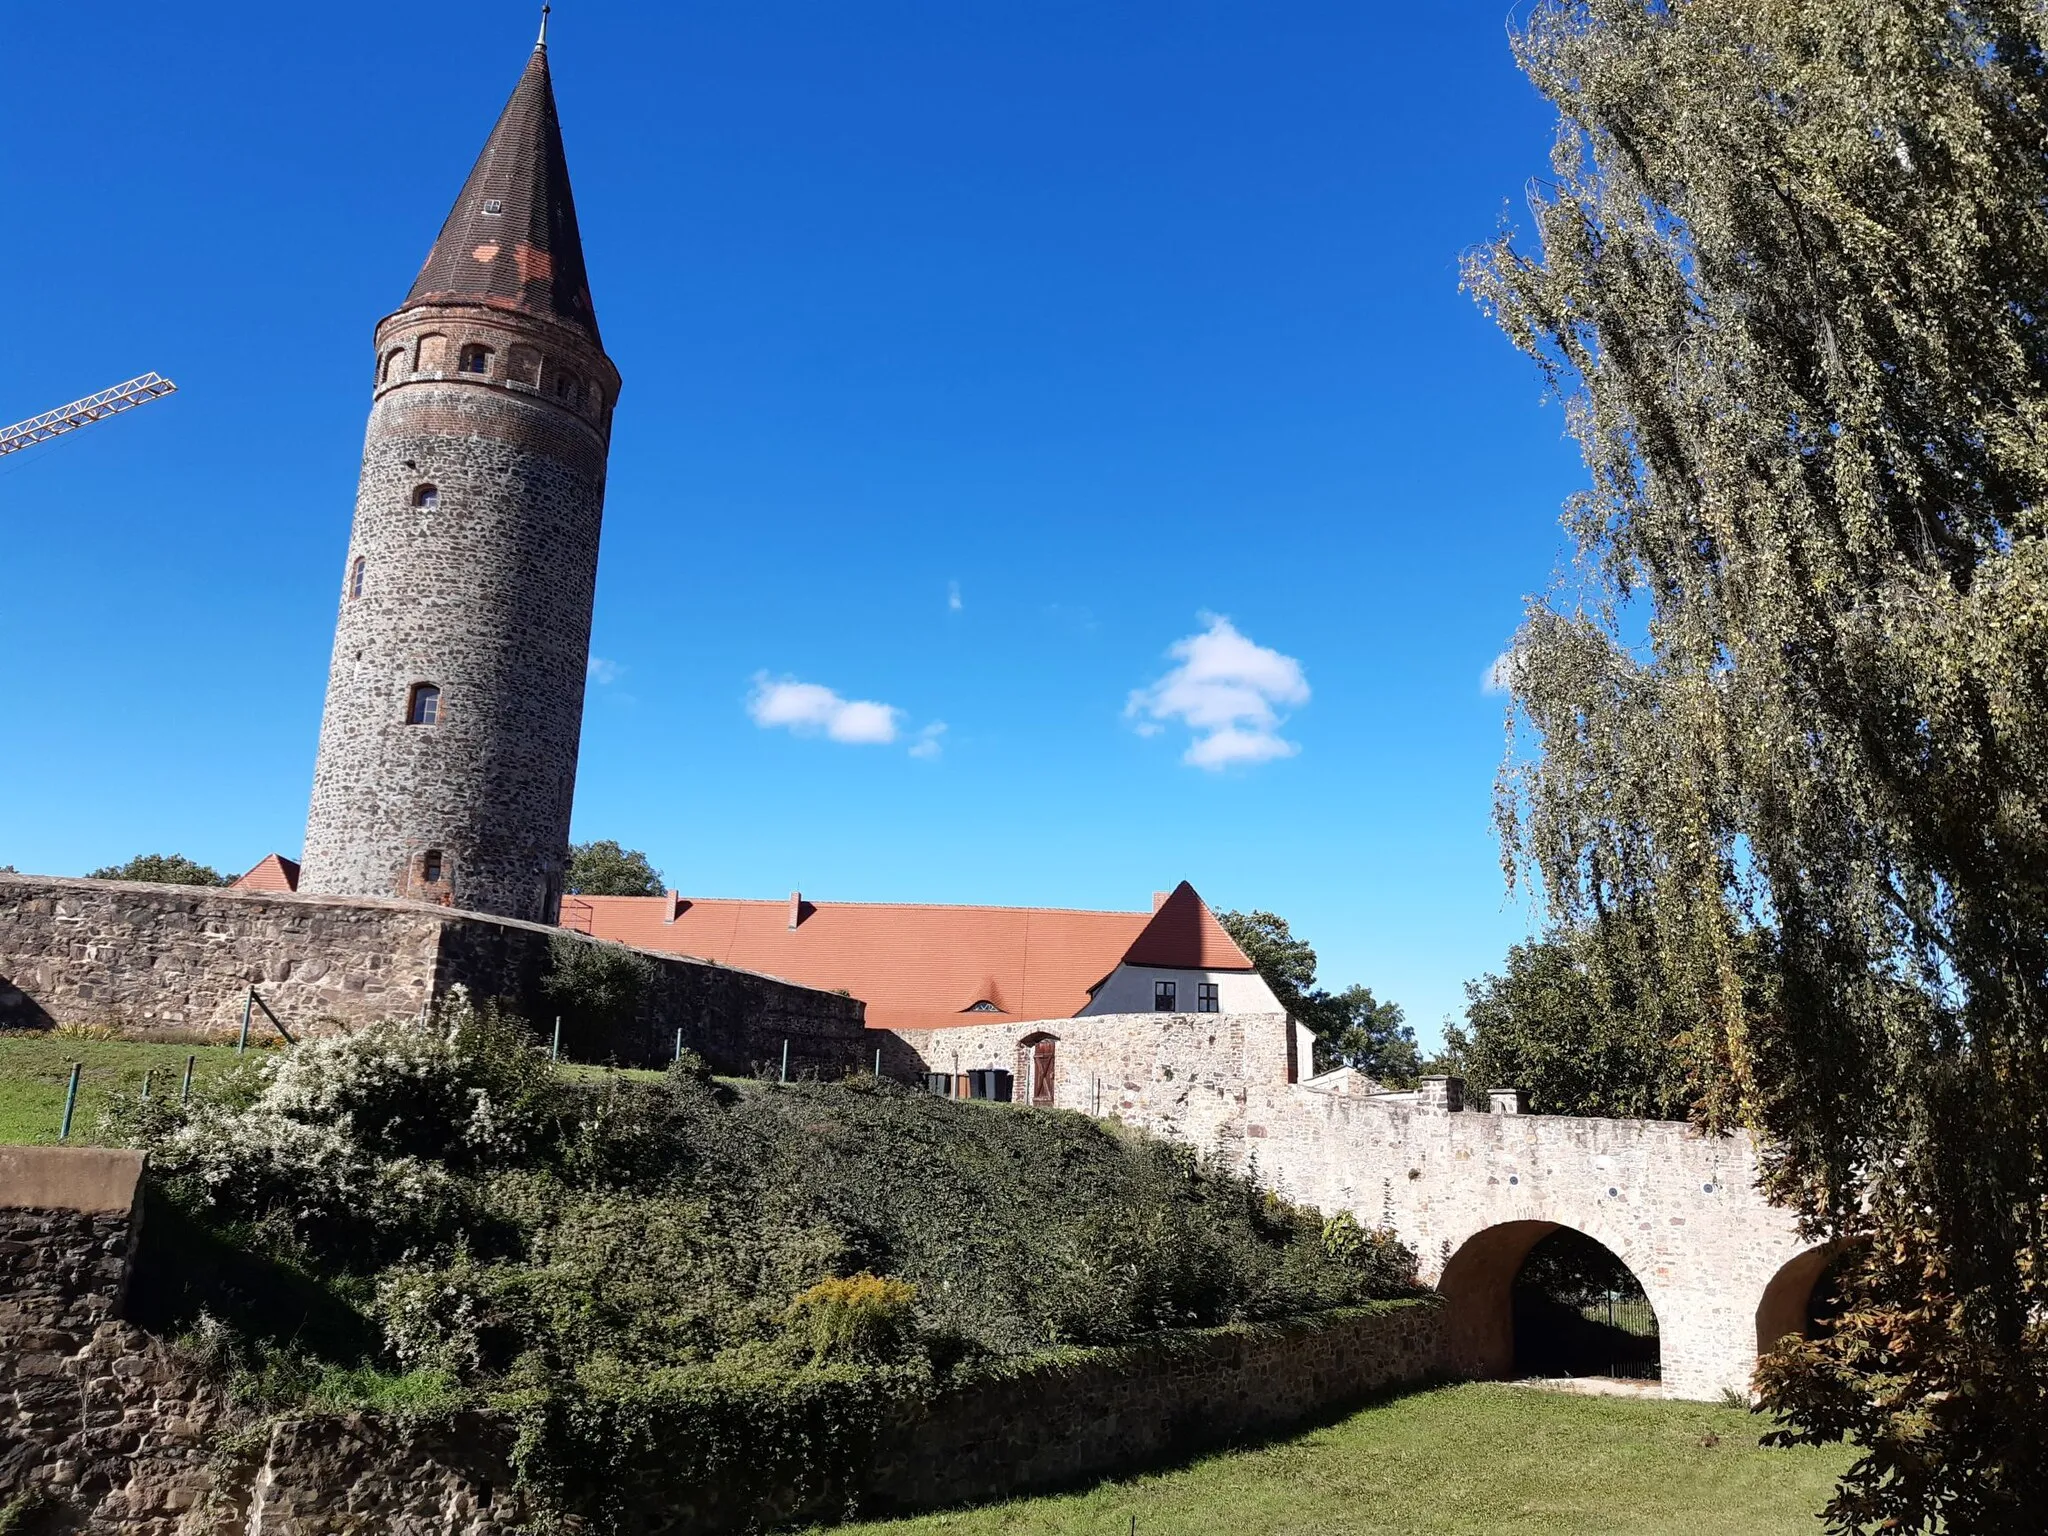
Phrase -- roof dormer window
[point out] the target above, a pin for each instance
(492, 205)
(984, 1006)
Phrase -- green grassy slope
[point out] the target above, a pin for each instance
(1498, 1460)
(35, 1068)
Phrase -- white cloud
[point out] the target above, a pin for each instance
(601, 671)
(811, 709)
(1499, 675)
(927, 743)
(1229, 692)
(953, 603)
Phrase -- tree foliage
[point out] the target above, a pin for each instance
(162, 869)
(1575, 1029)
(1793, 269)
(1352, 1028)
(603, 868)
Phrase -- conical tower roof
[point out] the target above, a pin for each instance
(511, 240)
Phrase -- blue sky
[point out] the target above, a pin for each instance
(1085, 389)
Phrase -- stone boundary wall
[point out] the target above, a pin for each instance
(1183, 1075)
(1059, 1423)
(94, 1413)
(158, 959)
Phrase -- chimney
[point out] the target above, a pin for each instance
(1159, 899)
(675, 907)
(796, 909)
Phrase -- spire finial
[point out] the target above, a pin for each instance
(543, 26)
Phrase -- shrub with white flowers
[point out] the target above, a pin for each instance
(349, 1144)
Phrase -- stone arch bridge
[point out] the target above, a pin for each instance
(1471, 1189)
(1472, 1192)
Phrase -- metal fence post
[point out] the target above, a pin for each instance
(147, 1078)
(248, 1006)
(555, 1050)
(190, 1062)
(70, 1100)
(785, 1061)
(679, 1047)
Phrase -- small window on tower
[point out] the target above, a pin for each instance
(430, 866)
(425, 496)
(476, 359)
(522, 366)
(355, 578)
(424, 705)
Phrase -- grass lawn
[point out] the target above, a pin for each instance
(1479, 1458)
(35, 1068)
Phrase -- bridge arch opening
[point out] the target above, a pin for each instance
(1537, 1298)
(1801, 1301)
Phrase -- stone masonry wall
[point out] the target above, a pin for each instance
(483, 589)
(94, 1413)
(1056, 1424)
(157, 958)
(1183, 1074)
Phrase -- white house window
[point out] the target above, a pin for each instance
(1205, 998)
(423, 706)
(1165, 996)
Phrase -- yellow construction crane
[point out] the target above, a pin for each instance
(80, 413)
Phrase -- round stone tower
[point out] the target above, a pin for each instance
(447, 758)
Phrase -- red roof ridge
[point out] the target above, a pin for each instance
(781, 904)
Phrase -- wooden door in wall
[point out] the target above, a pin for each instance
(1041, 1072)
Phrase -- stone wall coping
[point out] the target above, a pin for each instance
(95, 1179)
(426, 909)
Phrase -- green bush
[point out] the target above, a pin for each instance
(672, 1280)
(596, 989)
(862, 1317)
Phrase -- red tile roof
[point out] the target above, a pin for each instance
(923, 967)
(274, 873)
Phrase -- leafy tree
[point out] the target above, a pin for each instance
(1575, 1031)
(1373, 1037)
(595, 988)
(606, 869)
(162, 869)
(1352, 1027)
(1792, 281)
